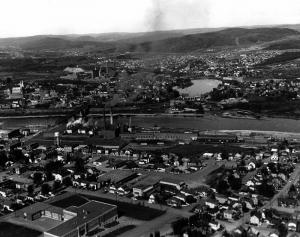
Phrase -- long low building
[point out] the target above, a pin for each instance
(164, 136)
(71, 221)
(217, 138)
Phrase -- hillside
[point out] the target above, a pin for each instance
(53, 43)
(224, 38)
(161, 41)
(285, 44)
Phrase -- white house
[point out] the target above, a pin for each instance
(211, 203)
(255, 220)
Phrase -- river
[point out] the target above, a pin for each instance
(208, 122)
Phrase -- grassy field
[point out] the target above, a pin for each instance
(12, 230)
(131, 210)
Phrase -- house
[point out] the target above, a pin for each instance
(274, 157)
(19, 169)
(211, 203)
(174, 202)
(182, 197)
(7, 204)
(140, 190)
(251, 166)
(94, 186)
(250, 183)
(171, 185)
(123, 190)
(274, 233)
(249, 204)
(21, 185)
(292, 226)
(228, 214)
(57, 177)
(255, 219)
(207, 155)
(152, 199)
(214, 225)
(221, 198)
(4, 193)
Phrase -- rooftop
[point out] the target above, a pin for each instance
(116, 175)
(85, 213)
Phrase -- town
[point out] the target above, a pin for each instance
(160, 129)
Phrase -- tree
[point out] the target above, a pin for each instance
(49, 176)
(235, 183)
(157, 234)
(226, 234)
(67, 181)
(266, 189)
(56, 185)
(30, 189)
(179, 225)
(282, 229)
(224, 155)
(37, 178)
(222, 187)
(3, 158)
(53, 166)
(79, 165)
(45, 189)
(17, 155)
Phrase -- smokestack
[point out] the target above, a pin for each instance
(104, 118)
(129, 127)
(111, 117)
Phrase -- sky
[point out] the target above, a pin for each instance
(34, 17)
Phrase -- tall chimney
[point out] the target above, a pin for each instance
(111, 117)
(104, 117)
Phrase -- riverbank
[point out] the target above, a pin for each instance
(185, 122)
(32, 116)
(259, 132)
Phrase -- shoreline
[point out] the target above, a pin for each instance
(180, 115)
(32, 116)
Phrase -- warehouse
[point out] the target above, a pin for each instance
(65, 218)
(88, 217)
(211, 138)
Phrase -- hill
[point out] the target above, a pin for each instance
(224, 38)
(285, 44)
(174, 41)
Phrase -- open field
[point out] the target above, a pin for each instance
(75, 200)
(12, 230)
(131, 210)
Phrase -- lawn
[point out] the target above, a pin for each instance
(131, 210)
(119, 231)
(12, 230)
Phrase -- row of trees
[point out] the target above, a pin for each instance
(46, 188)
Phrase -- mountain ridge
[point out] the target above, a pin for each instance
(157, 41)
